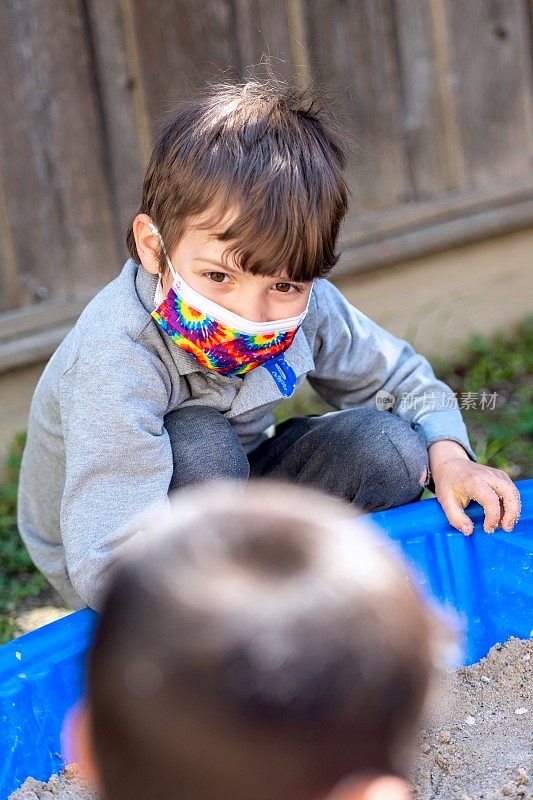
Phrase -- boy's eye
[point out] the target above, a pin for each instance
(217, 277)
(286, 287)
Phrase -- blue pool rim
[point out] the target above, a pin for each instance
(486, 578)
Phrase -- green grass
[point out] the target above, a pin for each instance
(501, 438)
(19, 579)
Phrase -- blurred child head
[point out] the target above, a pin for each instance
(258, 643)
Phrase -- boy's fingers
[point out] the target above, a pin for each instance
(455, 513)
(485, 495)
(510, 498)
(498, 496)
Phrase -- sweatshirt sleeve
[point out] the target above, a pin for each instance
(357, 362)
(118, 459)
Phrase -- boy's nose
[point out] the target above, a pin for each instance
(256, 316)
(253, 308)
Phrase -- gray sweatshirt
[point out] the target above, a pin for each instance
(97, 453)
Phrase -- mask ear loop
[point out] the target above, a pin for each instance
(155, 230)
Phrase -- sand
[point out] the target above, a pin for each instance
(68, 785)
(477, 744)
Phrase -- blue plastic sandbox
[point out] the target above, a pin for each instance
(487, 578)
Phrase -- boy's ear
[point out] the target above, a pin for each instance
(147, 243)
(79, 749)
(372, 787)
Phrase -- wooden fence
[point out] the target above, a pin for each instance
(439, 93)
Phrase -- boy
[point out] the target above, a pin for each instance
(172, 371)
(268, 646)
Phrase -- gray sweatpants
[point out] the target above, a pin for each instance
(373, 459)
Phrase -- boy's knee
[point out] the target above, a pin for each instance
(204, 446)
(392, 456)
(403, 460)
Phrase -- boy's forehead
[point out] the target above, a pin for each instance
(213, 221)
(204, 244)
(202, 241)
(204, 236)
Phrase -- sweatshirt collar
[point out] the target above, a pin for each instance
(145, 284)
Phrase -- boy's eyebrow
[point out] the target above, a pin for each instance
(216, 263)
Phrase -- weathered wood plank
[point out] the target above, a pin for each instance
(442, 235)
(491, 75)
(414, 216)
(180, 47)
(429, 122)
(353, 47)
(24, 321)
(10, 289)
(272, 34)
(265, 31)
(55, 188)
(125, 118)
(31, 349)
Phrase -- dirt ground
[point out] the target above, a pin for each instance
(476, 745)
(35, 612)
(68, 785)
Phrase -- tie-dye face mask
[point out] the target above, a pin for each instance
(221, 340)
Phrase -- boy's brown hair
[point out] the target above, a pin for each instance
(257, 645)
(272, 152)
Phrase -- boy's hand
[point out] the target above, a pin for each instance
(458, 480)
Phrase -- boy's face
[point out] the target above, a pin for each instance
(198, 259)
